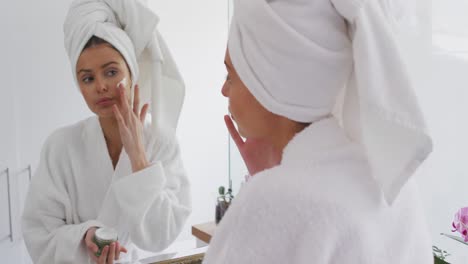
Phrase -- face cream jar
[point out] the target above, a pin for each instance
(104, 236)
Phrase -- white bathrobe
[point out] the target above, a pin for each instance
(76, 187)
(321, 205)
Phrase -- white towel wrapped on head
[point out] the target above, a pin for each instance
(131, 28)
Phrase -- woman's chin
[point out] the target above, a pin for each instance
(105, 113)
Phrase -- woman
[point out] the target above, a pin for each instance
(333, 132)
(117, 169)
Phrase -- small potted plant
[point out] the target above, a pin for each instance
(439, 255)
(223, 202)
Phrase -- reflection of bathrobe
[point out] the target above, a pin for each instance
(76, 187)
(321, 206)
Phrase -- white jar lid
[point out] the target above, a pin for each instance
(106, 234)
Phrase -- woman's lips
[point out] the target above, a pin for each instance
(105, 102)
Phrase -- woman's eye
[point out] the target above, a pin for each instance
(87, 79)
(111, 73)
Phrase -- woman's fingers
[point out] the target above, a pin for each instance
(103, 257)
(117, 251)
(90, 245)
(111, 256)
(123, 249)
(89, 242)
(92, 249)
(233, 131)
(120, 120)
(143, 113)
(136, 100)
(123, 101)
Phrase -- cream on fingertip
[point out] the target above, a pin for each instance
(123, 82)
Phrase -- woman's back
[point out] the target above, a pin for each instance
(325, 208)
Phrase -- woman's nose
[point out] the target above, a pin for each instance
(101, 85)
(225, 89)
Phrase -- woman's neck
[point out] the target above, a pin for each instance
(285, 132)
(111, 132)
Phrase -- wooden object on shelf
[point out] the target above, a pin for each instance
(204, 231)
(194, 259)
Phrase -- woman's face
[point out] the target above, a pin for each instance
(99, 70)
(253, 120)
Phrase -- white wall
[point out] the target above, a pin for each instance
(449, 16)
(444, 98)
(444, 177)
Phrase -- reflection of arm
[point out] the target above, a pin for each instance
(49, 233)
(155, 201)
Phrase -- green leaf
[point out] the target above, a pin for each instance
(439, 261)
(459, 239)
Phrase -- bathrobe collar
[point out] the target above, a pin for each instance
(315, 142)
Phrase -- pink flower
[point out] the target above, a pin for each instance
(460, 223)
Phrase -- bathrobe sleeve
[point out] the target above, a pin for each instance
(49, 229)
(154, 202)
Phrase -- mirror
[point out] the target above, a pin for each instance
(39, 96)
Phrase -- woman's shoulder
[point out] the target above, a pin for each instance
(279, 198)
(327, 186)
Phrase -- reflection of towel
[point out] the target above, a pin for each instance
(295, 56)
(131, 28)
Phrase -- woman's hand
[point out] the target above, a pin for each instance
(258, 154)
(108, 254)
(131, 127)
